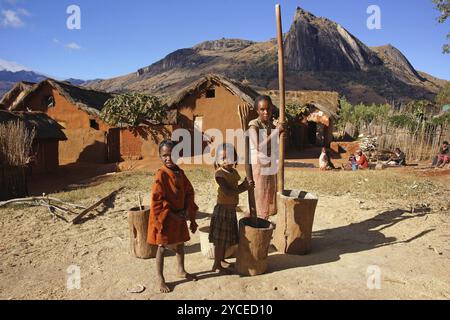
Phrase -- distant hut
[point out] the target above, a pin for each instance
(75, 108)
(212, 103)
(17, 92)
(317, 128)
(22, 153)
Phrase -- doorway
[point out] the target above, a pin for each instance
(312, 133)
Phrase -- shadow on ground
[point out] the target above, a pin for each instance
(330, 244)
(70, 177)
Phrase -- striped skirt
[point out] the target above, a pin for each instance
(223, 230)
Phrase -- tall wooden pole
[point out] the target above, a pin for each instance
(282, 92)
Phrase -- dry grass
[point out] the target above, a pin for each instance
(365, 185)
(375, 185)
(15, 144)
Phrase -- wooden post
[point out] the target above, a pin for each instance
(282, 105)
(244, 115)
(138, 223)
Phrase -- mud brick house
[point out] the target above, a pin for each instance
(48, 133)
(44, 155)
(142, 142)
(317, 129)
(15, 94)
(212, 103)
(77, 110)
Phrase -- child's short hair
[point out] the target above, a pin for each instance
(167, 143)
(263, 98)
(225, 147)
(445, 142)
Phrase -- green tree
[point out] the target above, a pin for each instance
(296, 112)
(346, 114)
(443, 6)
(443, 97)
(133, 109)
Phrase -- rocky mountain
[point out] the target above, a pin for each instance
(320, 55)
(10, 73)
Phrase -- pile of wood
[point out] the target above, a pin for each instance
(60, 209)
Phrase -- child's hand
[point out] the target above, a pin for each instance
(193, 227)
(250, 184)
(281, 126)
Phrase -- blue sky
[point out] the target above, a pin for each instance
(118, 37)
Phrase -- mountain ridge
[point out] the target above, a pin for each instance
(320, 55)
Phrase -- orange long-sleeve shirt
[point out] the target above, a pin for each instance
(172, 192)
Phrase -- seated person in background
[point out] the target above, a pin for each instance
(444, 155)
(399, 159)
(351, 165)
(325, 160)
(361, 160)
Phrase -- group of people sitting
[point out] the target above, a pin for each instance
(359, 161)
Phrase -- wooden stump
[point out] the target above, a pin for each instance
(254, 242)
(295, 221)
(138, 223)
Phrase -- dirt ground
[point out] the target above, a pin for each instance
(353, 230)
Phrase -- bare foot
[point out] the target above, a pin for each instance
(226, 264)
(187, 276)
(163, 288)
(223, 271)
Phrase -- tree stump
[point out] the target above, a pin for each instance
(253, 249)
(296, 210)
(138, 223)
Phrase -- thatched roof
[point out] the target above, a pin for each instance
(326, 101)
(88, 100)
(46, 128)
(246, 93)
(10, 98)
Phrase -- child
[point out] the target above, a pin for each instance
(325, 162)
(172, 204)
(353, 162)
(224, 227)
(351, 165)
(262, 133)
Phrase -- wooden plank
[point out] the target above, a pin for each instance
(95, 205)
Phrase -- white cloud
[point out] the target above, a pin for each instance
(12, 66)
(13, 18)
(73, 46)
(10, 18)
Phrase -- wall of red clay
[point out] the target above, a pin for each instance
(84, 143)
(220, 112)
(46, 157)
(143, 142)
